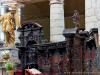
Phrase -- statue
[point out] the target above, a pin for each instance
(76, 19)
(10, 21)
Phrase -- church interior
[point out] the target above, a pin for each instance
(35, 53)
(42, 15)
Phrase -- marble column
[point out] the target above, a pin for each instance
(2, 12)
(97, 9)
(90, 14)
(17, 34)
(98, 17)
(57, 24)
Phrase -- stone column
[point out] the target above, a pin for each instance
(90, 14)
(98, 17)
(2, 12)
(17, 34)
(57, 24)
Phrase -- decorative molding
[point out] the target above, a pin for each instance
(56, 1)
(11, 2)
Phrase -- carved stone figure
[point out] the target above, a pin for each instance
(76, 19)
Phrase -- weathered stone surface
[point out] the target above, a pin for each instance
(13, 53)
(56, 20)
(92, 15)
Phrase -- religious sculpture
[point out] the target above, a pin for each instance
(10, 21)
(76, 19)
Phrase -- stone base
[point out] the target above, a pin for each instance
(13, 53)
(6, 54)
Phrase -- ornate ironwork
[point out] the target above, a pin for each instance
(55, 58)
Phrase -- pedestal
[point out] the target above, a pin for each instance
(13, 56)
(13, 53)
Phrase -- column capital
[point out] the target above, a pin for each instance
(20, 5)
(56, 1)
(11, 2)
